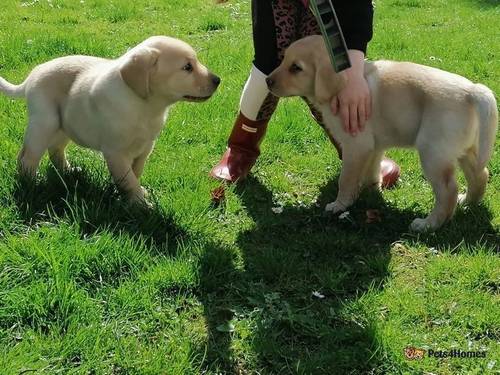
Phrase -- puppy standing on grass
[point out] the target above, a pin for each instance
(117, 106)
(446, 117)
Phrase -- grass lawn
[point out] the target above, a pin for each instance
(89, 287)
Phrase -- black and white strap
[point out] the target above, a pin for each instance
(332, 33)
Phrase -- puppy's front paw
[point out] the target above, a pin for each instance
(143, 204)
(139, 199)
(420, 226)
(462, 199)
(335, 207)
(75, 170)
(145, 193)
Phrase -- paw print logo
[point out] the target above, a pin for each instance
(412, 353)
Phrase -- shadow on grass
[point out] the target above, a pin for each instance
(289, 256)
(485, 3)
(470, 226)
(91, 201)
(286, 258)
(266, 291)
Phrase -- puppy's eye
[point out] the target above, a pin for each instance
(188, 67)
(295, 69)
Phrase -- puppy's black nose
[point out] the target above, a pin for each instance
(270, 83)
(216, 80)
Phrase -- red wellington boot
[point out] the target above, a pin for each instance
(390, 172)
(242, 151)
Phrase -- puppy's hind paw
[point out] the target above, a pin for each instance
(335, 207)
(463, 200)
(421, 226)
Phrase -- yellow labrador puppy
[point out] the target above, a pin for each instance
(446, 117)
(117, 106)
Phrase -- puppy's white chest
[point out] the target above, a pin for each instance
(333, 125)
(153, 126)
(141, 133)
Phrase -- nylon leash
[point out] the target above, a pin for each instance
(332, 33)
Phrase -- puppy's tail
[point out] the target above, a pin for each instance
(486, 106)
(14, 91)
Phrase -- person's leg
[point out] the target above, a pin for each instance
(317, 116)
(274, 28)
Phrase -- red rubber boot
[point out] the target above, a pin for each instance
(242, 151)
(390, 172)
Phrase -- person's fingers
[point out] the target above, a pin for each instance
(335, 105)
(344, 116)
(362, 117)
(353, 119)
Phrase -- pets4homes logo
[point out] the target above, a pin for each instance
(413, 353)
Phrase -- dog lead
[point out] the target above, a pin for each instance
(330, 28)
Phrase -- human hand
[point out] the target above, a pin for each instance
(353, 103)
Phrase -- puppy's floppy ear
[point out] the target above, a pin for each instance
(137, 68)
(327, 82)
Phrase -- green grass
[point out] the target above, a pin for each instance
(87, 286)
